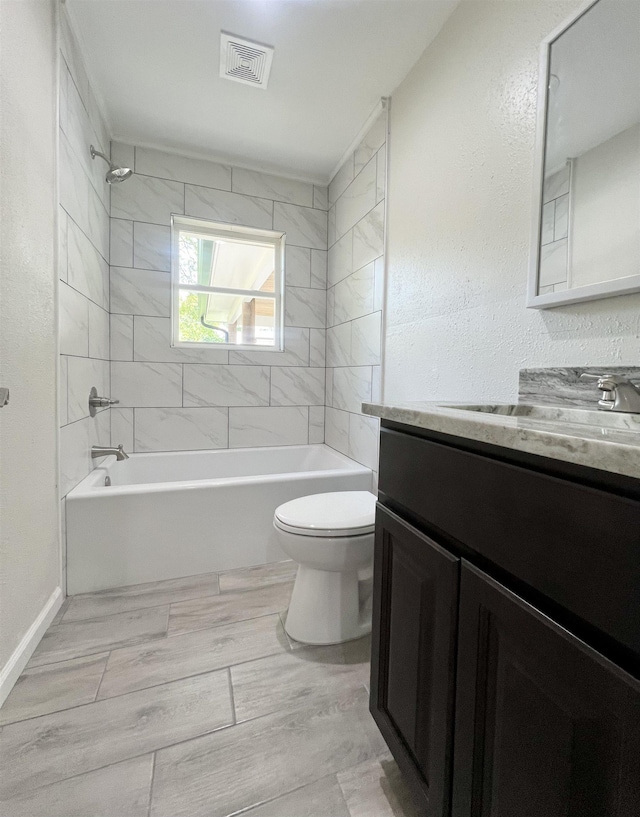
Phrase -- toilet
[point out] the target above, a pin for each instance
(331, 537)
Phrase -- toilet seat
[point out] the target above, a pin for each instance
(335, 514)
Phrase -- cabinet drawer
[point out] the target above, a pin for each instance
(577, 545)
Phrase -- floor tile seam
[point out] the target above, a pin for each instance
(104, 649)
(241, 592)
(260, 803)
(153, 775)
(104, 670)
(226, 594)
(98, 593)
(223, 624)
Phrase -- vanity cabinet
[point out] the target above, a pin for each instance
(496, 683)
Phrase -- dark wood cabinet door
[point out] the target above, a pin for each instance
(413, 656)
(545, 726)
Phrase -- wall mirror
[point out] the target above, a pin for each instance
(586, 231)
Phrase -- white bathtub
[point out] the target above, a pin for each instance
(177, 514)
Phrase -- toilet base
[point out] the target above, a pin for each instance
(325, 607)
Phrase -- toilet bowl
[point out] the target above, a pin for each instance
(331, 538)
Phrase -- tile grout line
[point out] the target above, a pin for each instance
(234, 713)
(153, 774)
(104, 670)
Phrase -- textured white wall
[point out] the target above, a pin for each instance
(460, 197)
(29, 537)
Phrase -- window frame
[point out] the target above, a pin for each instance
(218, 229)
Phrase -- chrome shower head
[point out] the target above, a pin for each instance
(115, 174)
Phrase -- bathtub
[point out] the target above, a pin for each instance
(169, 515)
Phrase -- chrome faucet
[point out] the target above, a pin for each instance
(618, 393)
(104, 451)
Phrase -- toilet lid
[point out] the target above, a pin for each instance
(340, 513)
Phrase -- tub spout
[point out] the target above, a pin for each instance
(105, 451)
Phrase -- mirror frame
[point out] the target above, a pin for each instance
(589, 292)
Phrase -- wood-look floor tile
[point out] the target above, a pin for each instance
(202, 651)
(262, 759)
(53, 687)
(376, 788)
(53, 747)
(251, 578)
(139, 596)
(292, 678)
(121, 790)
(77, 638)
(186, 616)
(321, 799)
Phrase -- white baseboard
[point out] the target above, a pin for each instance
(23, 652)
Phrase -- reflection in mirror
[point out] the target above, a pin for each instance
(589, 218)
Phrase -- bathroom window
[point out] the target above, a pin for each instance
(227, 284)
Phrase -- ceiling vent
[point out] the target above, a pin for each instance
(244, 60)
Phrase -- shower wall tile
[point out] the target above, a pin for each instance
(305, 307)
(152, 342)
(366, 340)
(181, 429)
(357, 200)
(121, 337)
(74, 184)
(276, 188)
(317, 346)
(363, 440)
(297, 386)
(296, 352)
(378, 298)
(340, 260)
(374, 139)
(351, 387)
(304, 226)
(336, 429)
(354, 295)
(140, 292)
(98, 332)
(381, 174)
(87, 271)
(83, 373)
(63, 372)
(232, 208)
(147, 384)
(249, 427)
(339, 345)
(62, 243)
(341, 180)
(151, 246)
(98, 224)
(298, 266)
(123, 155)
(316, 424)
(76, 440)
(121, 243)
(226, 385)
(122, 427)
(368, 237)
(74, 321)
(319, 269)
(145, 198)
(163, 165)
(320, 197)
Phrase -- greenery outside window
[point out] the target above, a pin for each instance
(226, 285)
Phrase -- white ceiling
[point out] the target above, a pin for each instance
(155, 66)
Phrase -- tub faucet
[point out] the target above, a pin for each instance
(104, 451)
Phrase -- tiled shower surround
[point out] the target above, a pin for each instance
(179, 399)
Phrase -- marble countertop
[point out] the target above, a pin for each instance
(597, 439)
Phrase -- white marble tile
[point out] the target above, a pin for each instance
(153, 162)
(357, 200)
(121, 337)
(368, 237)
(319, 269)
(381, 174)
(226, 385)
(87, 272)
(140, 292)
(331, 227)
(122, 427)
(342, 179)
(340, 260)
(561, 225)
(74, 185)
(304, 226)
(316, 424)
(98, 332)
(123, 155)
(74, 321)
(63, 370)
(233, 208)
(181, 429)
(62, 244)
(320, 197)
(297, 266)
(363, 440)
(553, 263)
(328, 387)
(376, 383)
(548, 220)
(272, 425)
(76, 440)
(366, 340)
(336, 429)
(152, 342)
(354, 295)
(147, 384)
(305, 307)
(351, 387)
(339, 345)
(81, 135)
(151, 246)
(296, 351)
(378, 289)
(317, 345)
(145, 198)
(63, 92)
(556, 185)
(297, 386)
(98, 223)
(121, 243)
(72, 57)
(253, 183)
(83, 373)
(331, 300)
(371, 143)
